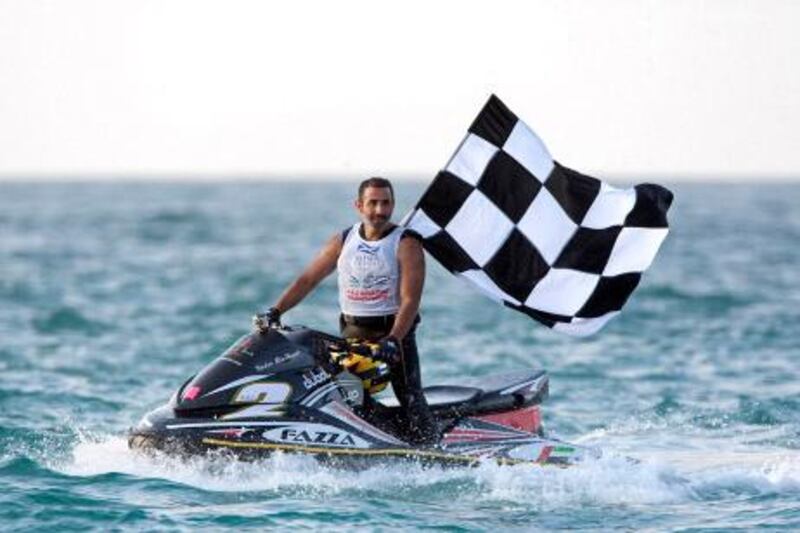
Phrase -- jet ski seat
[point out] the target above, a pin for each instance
(442, 396)
(484, 395)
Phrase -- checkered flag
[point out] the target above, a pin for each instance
(564, 248)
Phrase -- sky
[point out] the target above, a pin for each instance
(687, 89)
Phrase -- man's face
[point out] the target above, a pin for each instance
(375, 206)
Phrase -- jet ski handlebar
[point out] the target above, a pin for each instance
(263, 322)
(335, 354)
(269, 320)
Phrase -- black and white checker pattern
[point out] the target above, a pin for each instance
(562, 247)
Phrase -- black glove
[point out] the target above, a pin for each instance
(388, 350)
(269, 320)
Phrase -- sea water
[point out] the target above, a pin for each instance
(112, 294)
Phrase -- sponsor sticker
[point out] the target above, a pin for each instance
(315, 434)
(312, 378)
(352, 396)
(279, 360)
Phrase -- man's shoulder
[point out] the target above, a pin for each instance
(346, 232)
(406, 232)
(411, 247)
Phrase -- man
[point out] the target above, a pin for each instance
(381, 276)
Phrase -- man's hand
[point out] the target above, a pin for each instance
(388, 350)
(269, 320)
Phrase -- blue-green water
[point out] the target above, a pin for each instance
(110, 295)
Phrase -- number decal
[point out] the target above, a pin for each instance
(263, 393)
(268, 397)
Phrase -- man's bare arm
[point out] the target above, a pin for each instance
(411, 258)
(319, 269)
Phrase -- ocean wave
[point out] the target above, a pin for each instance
(66, 319)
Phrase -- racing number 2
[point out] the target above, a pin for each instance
(263, 393)
(268, 397)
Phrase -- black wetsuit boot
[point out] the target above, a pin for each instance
(407, 385)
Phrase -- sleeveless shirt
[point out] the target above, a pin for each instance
(369, 274)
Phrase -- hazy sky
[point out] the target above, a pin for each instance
(687, 87)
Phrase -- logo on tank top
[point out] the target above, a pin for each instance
(367, 259)
(370, 279)
(367, 249)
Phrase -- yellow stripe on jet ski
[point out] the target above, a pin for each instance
(388, 452)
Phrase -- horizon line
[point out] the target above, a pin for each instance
(343, 177)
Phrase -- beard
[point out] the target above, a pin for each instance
(376, 220)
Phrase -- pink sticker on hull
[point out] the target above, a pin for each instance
(191, 393)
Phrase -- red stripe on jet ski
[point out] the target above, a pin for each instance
(528, 419)
(471, 435)
(481, 434)
(546, 451)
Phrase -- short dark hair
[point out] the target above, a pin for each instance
(379, 183)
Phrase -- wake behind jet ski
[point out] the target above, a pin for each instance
(297, 390)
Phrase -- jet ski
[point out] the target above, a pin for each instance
(298, 390)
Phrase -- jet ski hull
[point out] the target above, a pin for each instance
(535, 450)
(232, 407)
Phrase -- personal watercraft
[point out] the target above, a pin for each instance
(297, 390)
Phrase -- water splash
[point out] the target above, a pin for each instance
(612, 480)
